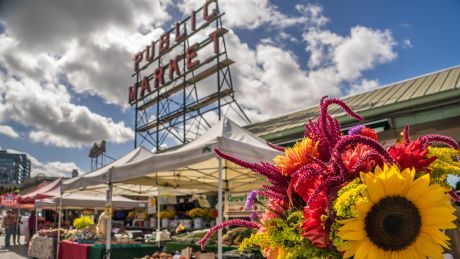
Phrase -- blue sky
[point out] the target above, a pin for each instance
(65, 68)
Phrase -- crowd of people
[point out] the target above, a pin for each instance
(11, 223)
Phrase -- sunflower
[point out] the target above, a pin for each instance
(296, 156)
(401, 217)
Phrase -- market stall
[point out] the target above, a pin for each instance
(194, 165)
(87, 200)
(44, 191)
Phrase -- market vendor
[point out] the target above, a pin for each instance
(102, 226)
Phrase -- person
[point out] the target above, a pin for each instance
(102, 225)
(31, 226)
(17, 228)
(8, 223)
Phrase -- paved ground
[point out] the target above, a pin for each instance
(14, 252)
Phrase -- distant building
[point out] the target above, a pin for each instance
(14, 168)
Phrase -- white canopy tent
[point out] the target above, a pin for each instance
(193, 166)
(138, 154)
(81, 201)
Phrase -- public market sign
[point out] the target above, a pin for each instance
(158, 72)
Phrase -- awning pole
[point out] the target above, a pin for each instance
(59, 223)
(108, 215)
(219, 208)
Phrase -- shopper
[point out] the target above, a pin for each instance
(8, 223)
(31, 226)
(17, 228)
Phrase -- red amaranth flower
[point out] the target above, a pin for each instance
(411, 155)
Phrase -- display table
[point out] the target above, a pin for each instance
(42, 247)
(121, 251)
(171, 247)
(72, 250)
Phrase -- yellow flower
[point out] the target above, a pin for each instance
(347, 197)
(401, 218)
(445, 164)
(296, 156)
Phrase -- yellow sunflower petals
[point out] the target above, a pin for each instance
(351, 250)
(363, 250)
(363, 206)
(352, 235)
(353, 225)
(437, 236)
(418, 187)
(428, 247)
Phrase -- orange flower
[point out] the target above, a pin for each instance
(352, 156)
(296, 156)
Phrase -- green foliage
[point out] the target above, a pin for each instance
(285, 233)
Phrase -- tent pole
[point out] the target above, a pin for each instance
(219, 208)
(59, 222)
(108, 215)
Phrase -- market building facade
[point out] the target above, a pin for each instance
(428, 104)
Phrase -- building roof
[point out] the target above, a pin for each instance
(440, 86)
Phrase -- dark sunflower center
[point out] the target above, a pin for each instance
(393, 223)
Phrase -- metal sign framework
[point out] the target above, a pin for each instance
(176, 111)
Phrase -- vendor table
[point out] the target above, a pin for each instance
(172, 247)
(42, 247)
(122, 251)
(72, 250)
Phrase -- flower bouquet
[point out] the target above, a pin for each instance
(336, 195)
(82, 222)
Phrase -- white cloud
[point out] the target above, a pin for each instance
(248, 14)
(95, 58)
(364, 85)
(54, 120)
(362, 50)
(8, 131)
(50, 169)
(270, 80)
(54, 169)
(407, 44)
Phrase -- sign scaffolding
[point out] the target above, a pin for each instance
(175, 95)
